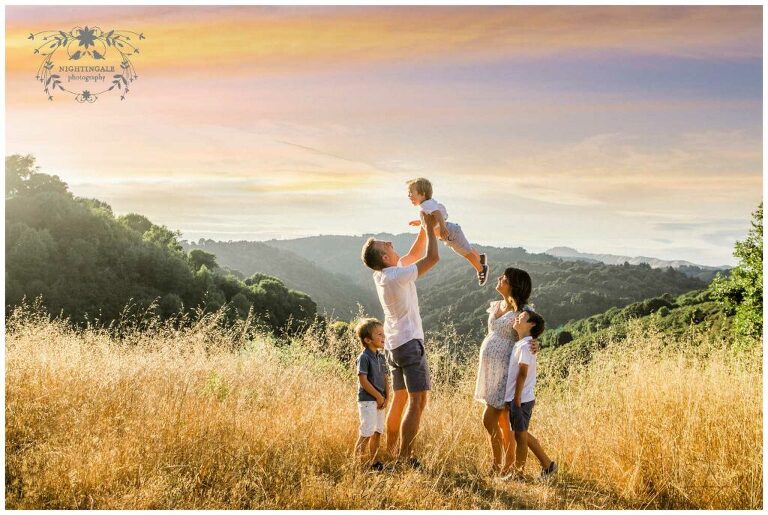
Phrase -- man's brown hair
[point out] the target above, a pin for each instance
(364, 329)
(422, 186)
(371, 256)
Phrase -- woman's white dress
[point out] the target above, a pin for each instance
(495, 353)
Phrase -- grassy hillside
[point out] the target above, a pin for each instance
(90, 265)
(695, 312)
(341, 254)
(673, 315)
(334, 293)
(563, 290)
(202, 417)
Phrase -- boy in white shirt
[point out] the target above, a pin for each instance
(521, 380)
(420, 194)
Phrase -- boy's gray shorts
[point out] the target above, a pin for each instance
(520, 418)
(408, 364)
(457, 242)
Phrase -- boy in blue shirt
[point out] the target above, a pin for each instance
(373, 392)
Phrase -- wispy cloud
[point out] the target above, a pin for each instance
(285, 38)
(607, 126)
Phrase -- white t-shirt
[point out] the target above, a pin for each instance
(431, 205)
(396, 286)
(521, 354)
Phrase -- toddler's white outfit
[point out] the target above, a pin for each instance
(456, 241)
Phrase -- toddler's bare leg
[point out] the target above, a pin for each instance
(474, 259)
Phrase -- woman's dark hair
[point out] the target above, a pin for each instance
(519, 287)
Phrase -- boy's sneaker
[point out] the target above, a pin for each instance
(482, 276)
(548, 472)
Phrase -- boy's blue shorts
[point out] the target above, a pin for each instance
(520, 418)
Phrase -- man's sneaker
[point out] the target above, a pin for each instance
(414, 463)
(378, 466)
(482, 276)
(548, 472)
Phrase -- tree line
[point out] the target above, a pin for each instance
(87, 264)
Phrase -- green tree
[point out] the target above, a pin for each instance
(170, 304)
(198, 258)
(165, 238)
(138, 223)
(21, 178)
(742, 291)
(87, 264)
(241, 303)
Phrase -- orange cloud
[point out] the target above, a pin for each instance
(249, 39)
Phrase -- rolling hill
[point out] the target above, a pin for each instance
(335, 294)
(577, 341)
(563, 290)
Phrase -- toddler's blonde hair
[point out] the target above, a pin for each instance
(422, 186)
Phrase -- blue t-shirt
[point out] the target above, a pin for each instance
(374, 366)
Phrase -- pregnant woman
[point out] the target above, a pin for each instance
(514, 286)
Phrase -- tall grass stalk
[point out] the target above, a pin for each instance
(201, 416)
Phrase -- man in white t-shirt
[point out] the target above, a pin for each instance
(395, 279)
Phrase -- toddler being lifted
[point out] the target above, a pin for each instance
(420, 194)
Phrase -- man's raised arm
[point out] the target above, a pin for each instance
(433, 256)
(417, 249)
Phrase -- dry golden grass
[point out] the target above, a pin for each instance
(206, 418)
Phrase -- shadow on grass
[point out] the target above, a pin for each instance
(564, 491)
(575, 492)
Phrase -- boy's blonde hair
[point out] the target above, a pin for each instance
(365, 327)
(422, 186)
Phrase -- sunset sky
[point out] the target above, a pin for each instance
(625, 130)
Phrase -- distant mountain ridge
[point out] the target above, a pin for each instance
(329, 269)
(704, 272)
